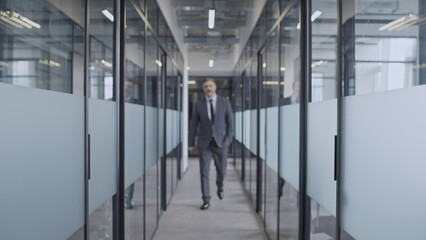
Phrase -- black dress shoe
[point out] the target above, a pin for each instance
(205, 206)
(220, 194)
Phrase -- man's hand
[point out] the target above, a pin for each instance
(191, 149)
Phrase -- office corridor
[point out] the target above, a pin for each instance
(230, 218)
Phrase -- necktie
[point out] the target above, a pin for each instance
(211, 110)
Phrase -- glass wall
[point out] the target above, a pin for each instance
(384, 62)
(289, 124)
(341, 170)
(134, 95)
(67, 135)
(322, 121)
(270, 98)
(45, 43)
(151, 163)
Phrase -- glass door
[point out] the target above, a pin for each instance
(102, 122)
(289, 125)
(322, 121)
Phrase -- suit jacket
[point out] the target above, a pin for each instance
(220, 129)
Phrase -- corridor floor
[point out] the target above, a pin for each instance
(231, 218)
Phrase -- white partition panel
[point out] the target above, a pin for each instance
(41, 163)
(322, 127)
(134, 136)
(151, 136)
(384, 164)
(272, 138)
(103, 152)
(289, 152)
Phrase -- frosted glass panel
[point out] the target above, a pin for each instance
(161, 129)
(322, 127)
(41, 163)
(384, 165)
(272, 138)
(134, 142)
(252, 128)
(170, 130)
(247, 127)
(103, 144)
(152, 136)
(290, 144)
(238, 126)
(175, 128)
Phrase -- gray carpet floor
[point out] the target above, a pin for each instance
(230, 218)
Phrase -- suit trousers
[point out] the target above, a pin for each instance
(219, 155)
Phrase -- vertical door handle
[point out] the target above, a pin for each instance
(88, 157)
(335, 157)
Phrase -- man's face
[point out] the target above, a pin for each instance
(209, 88)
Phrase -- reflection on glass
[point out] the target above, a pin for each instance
(289, 126)
(101, 46)
(151, 169)
(270, 98)
(383, 51)
(322, 222)
(42, 46)
(323, 45)
(253, 135)
(100, 224)
(134, 94)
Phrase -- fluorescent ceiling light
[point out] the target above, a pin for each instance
(211, 63)
(282, 69)
(108, 15)
(191, 82)
(211, 18)
(107, 64)
(400, 23)
(272, 83)
(18, 20)
(50, 63)
(318, 63)
(315, 15)
(391, 24)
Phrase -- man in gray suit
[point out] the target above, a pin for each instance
(213, 115)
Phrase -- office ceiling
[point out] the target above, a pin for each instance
(192, 17)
